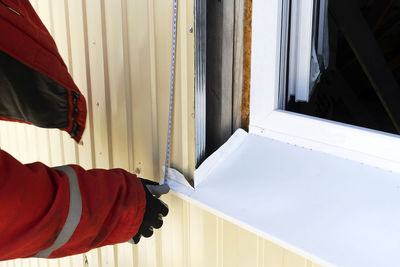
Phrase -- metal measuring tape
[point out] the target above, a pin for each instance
(171, 94)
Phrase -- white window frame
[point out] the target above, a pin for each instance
(301, 46)
(347, 141)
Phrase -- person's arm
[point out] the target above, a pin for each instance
(54, 212)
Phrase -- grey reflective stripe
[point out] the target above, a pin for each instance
(74, 213)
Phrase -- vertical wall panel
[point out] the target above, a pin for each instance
(4, 136)
(33, 262)
(175, 241)
(12, 140)
(99, 81)
(81, 75)
(273, 254)
(125, 255)
(145, 152)
(65, 262)
(31, 144)
(116, 76)
(43, 263)
(203, 242)
(77, 260)
(234, 253)
(52, 262)
(119, 52)
(293, 260)
(21, 142)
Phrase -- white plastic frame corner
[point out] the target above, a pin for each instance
(363, 145)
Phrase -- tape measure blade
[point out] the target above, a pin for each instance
(171, 95)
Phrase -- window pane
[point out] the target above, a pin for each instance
(350, 71)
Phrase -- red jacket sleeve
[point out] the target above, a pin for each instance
(35, 207)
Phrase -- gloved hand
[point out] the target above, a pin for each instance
(155, 209)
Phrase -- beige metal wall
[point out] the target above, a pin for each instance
(118, 52)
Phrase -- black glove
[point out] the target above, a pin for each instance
(155, 209)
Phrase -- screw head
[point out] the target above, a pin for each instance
(191, 29)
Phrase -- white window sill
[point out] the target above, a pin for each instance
(331, 210)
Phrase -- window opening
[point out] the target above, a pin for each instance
(344, 62)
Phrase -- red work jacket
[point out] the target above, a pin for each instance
(53, 212)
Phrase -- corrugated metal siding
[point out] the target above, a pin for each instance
(119, 54)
